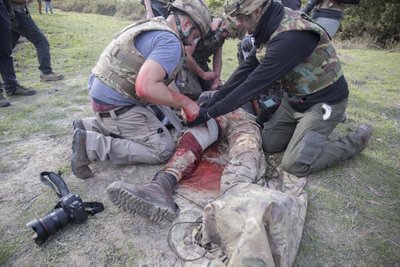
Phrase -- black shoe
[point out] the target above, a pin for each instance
(51, 77)
(79, 160)
(153, 200)
(20, 90)
(3, 101)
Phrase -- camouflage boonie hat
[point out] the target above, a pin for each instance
(244, 7)
(196, 10)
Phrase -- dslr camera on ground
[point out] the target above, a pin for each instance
(70, 209)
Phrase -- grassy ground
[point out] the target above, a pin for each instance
(353, 214)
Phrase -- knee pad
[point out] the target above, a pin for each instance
(310, 147)
(309, 150)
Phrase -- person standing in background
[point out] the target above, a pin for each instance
(12, 87)
(27, 27)
(39, 4)
(327, 13)
(48, 6)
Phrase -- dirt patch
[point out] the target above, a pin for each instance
(110, 237)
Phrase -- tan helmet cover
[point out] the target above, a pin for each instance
(196, 10)
(244, 7)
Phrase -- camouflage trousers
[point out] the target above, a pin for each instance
(245, 156)
(247, 224)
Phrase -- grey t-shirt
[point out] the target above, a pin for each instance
(160, 46)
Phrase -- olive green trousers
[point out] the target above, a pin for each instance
(304, 135)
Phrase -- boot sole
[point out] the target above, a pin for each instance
(124, 199)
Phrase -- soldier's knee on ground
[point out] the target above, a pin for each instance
(88, 123)
(272, 144)
(301, 160)
(270, 147)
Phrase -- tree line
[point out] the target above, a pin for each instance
(376, 20)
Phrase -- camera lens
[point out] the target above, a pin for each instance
(48, 225)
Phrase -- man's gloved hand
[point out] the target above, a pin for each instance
(202, 118)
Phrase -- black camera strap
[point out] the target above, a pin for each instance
(93, 208)
(55, 181)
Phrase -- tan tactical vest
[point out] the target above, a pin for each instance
(330, 4)
(320, 69)
(120, 62)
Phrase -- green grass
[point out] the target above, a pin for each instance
(76, 41)
(353, 214)
(353, 210)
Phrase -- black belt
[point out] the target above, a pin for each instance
(117, 112)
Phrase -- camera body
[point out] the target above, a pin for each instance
(72, 206)
(69, 210)
(268, 105)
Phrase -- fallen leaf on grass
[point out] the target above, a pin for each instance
(373, 202)
(374, 191)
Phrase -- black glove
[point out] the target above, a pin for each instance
(202, 118)
(247, 44)
(208, 103)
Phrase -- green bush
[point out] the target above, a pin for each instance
(374, 20)
(121, 8)
(378, 20)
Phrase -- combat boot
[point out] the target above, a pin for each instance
(79, 160)
(78, 124)
(3, 101)
(20, 90)
(365, 132)
(153, 200)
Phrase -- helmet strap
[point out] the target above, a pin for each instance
(183, 35)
